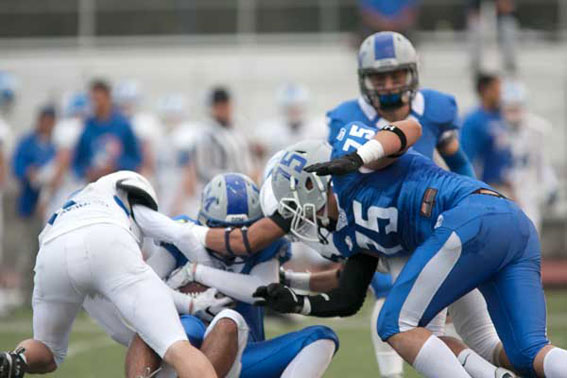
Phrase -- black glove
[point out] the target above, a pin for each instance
(279, 297)
(340, 166)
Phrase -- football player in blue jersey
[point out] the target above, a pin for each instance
(461, 235)
(388, 79)
(231, 200)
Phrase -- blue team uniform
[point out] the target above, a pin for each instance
(485, 140)
(261, 358)
(458, 239)
(437, 113)
(31, 151)
(100, 138)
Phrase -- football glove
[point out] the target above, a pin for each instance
(208, 304)
(279, 298)
(12, 364)
(182, 276)
(340, 166)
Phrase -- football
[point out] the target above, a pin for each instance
(193, 287)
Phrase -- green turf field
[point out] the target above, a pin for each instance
(92, 354)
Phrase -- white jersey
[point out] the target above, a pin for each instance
(97, 203)
(221, 149)
(175, 151)
(533, 178)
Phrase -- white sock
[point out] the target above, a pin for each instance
(475, 365)
(312, 361)
(390, 364)
(555, 363)
(435, 360)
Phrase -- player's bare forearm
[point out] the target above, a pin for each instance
(325, 281)
(260, 235)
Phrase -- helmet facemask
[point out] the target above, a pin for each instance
(306, 218)
(393, 98)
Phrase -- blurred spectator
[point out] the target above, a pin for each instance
(76, 108)
(291, 124)
(387, 15)
(485, 136)
(32, 153)
(507, 33)
(127, 96)
(221, 147)
(107, 143)
(534, 181)
(176, 173)
(8, 88)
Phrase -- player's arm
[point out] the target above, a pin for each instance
(320, 282)
(235, 285)
(345, 300)
(241, 241)
(453, 155)
(388, 144)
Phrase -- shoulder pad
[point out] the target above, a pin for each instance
(343, 110)
(440, 107)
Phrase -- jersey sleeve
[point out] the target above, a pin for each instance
(442, 110)
(179, 257)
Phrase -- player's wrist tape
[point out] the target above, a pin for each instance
(370, 151)
(403, 140)
(298, 280)
(200, 233)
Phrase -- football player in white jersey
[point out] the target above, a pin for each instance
(127, 95)
(176, 175)
(91, 246)
(533, 179)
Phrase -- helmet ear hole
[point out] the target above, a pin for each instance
(309, 184)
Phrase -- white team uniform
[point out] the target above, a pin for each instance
(532, 177)
(175, 152)
(91, 247)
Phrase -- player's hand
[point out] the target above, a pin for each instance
(210, 301)
(340, 166)
(182, 276)
(279, 297)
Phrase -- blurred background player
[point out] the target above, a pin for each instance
(292, 123)
(486, 136)
(507, 30)
(107, 143)
(221, 147)
(76, 108)
(34, 152)
(386, 15)
(127, 95)
(176, 175)
(533, 180)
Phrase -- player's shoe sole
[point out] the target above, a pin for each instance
(11, 364)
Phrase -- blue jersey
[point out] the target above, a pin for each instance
(31, 152)
(485, 140)
(436, 112)
(107, 141)
(254, 315)
(394, 209)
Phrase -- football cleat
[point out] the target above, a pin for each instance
(12, 364)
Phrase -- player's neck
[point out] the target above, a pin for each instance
(394, 115)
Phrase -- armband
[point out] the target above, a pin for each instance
(244, 231)
(227, 232)
(403, 140)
